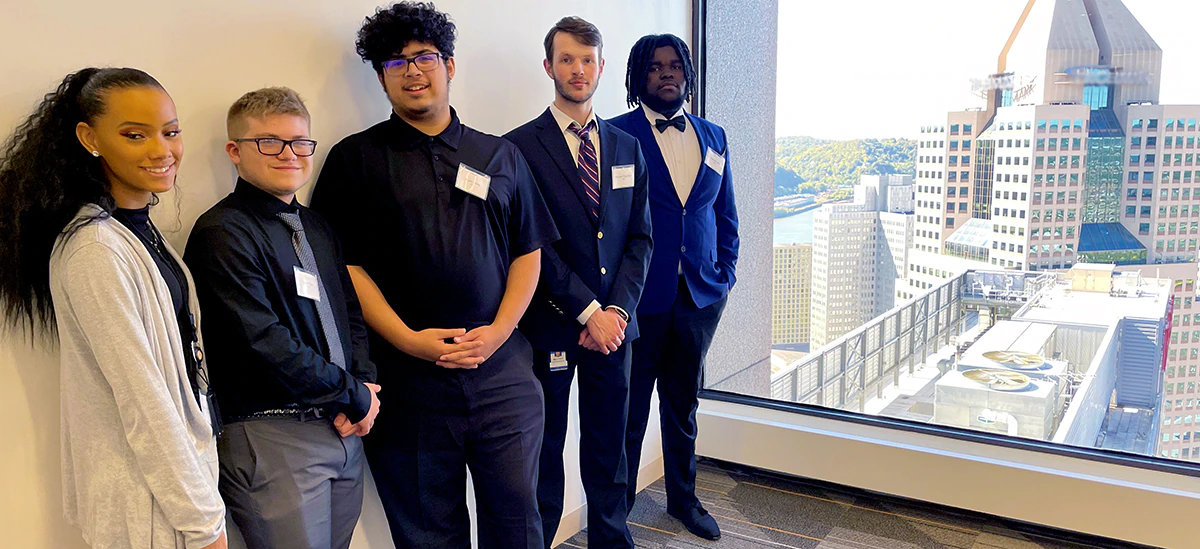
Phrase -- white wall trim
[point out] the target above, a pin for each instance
(1103, 499)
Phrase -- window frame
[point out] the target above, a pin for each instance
(1148, 463)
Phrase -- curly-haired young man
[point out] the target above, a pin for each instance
(442, 228)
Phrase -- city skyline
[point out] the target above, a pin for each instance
(927, 85)
(1082, 159)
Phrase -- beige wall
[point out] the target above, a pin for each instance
(207, 54)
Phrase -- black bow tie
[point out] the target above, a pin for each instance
(662, 124)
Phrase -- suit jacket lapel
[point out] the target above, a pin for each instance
(653, 155)
(608, 155)
(702, 142)
(555, 142)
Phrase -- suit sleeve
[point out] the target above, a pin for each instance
(231, 286)
(565, 287)
(631, 275)
(727, 222)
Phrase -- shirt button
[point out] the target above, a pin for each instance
(600, 234)
(683, 248)
(603, 270)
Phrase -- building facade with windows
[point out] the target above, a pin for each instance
(791, 294)
(928, 270)
(947, 191)
(1161, 198)
(1073, 159)
(859, 251)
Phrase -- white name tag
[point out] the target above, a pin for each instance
(472, 181)
(714, 161)
(622, 176)
(558, 361)
(306, 284)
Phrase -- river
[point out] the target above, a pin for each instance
(795, 229)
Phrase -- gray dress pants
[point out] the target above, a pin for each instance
(291, 484)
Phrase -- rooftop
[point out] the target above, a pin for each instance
(1060, 357)
(1128, 430)
(1137, 298)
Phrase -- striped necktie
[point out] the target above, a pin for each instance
(589, 171)
(309, 263)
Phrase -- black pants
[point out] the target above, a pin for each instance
(434, 424)
(671, 350)
(291, 483)
(603, 405)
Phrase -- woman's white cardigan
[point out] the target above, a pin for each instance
(139, 461)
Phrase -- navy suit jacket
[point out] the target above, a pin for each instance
(619, 243)
(702, 233)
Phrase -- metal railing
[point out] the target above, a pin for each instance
(851, 370)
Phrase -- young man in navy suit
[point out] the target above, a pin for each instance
(695, 251)
(582, 317)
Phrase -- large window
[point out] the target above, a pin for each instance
(981, 321)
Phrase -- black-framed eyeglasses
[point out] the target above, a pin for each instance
(425, 62)
(273, 146)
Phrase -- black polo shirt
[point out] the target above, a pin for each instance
(265, 346)
(439, 255)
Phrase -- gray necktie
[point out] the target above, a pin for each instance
(309, 263)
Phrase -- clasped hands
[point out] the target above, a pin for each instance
(457, 347)
(604, 333)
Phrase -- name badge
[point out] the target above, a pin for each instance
(307, 285)
(558, 361)
(622, 176)
(715, 161)
(472, 181)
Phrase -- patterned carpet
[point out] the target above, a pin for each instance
(766, 511)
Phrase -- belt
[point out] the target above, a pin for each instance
(306, 414)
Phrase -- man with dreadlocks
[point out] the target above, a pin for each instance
(691, 269)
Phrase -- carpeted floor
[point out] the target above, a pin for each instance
(765, 511)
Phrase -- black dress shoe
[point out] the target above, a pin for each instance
(698, 522)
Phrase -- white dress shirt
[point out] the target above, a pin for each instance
(681, 153)
(564, 123)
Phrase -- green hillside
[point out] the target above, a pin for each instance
(808, 164)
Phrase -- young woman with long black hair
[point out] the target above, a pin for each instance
(83, 260)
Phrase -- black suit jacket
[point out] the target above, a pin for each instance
(604, 261)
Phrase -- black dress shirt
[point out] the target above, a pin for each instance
(439, 255)
(266, 349)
